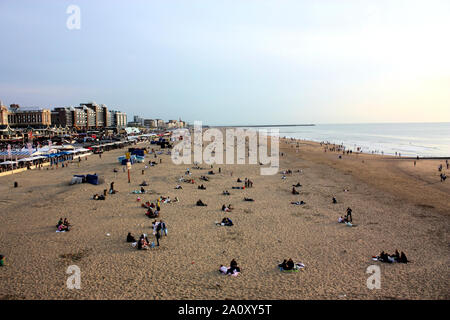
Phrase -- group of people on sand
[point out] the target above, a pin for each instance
(159, 229)
(63, 225)
(390, 258)
(233, 269)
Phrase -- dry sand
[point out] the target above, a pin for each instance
(395, 206)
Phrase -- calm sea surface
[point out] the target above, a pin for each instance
(408, 139)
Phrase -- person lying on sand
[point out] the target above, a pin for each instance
(204, 178)
(130, 238)
(178, 187)
(298, 203)
(211, 172)
(248, 199)
(226, 193)
(202, 187)
(297, 185)
(143, 184)
(294, 191)
(98, 197)
(201, 204)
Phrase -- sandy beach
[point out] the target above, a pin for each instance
(396, 205)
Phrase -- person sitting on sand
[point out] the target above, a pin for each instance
(403, 258)
(142, 243)
(233, 267)
(66, 222)
(349, 215)
(283, 264)
(142, 190)
(111, 189)
(201, 204)
(294, 191)
(211, 172)
(202, 187)
(130, 238)
(238, 180)
(226, 193)
(342, 220)
(248, 199)
(289, 265)
(60, 222)
(334, 200)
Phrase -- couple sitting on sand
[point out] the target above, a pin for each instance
(287, 265)
(232, 270)
(202, 187)
(63, 225)
(388, 258)
(143, 243)
(225, 222)
(227, 209)
(152, 214)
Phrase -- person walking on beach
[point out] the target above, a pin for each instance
(446, 162)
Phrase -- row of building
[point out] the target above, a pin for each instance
(156, 123)
(83, 117)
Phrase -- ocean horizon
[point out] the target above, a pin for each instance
(427, 139)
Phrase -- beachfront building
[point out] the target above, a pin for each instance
(150, 123)
(3, 115)
(99, 113)
(118, 119)
(62, 116)
(22, 117)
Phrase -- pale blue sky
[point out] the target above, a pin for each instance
(233, 62)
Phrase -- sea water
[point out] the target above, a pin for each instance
(407, 139)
